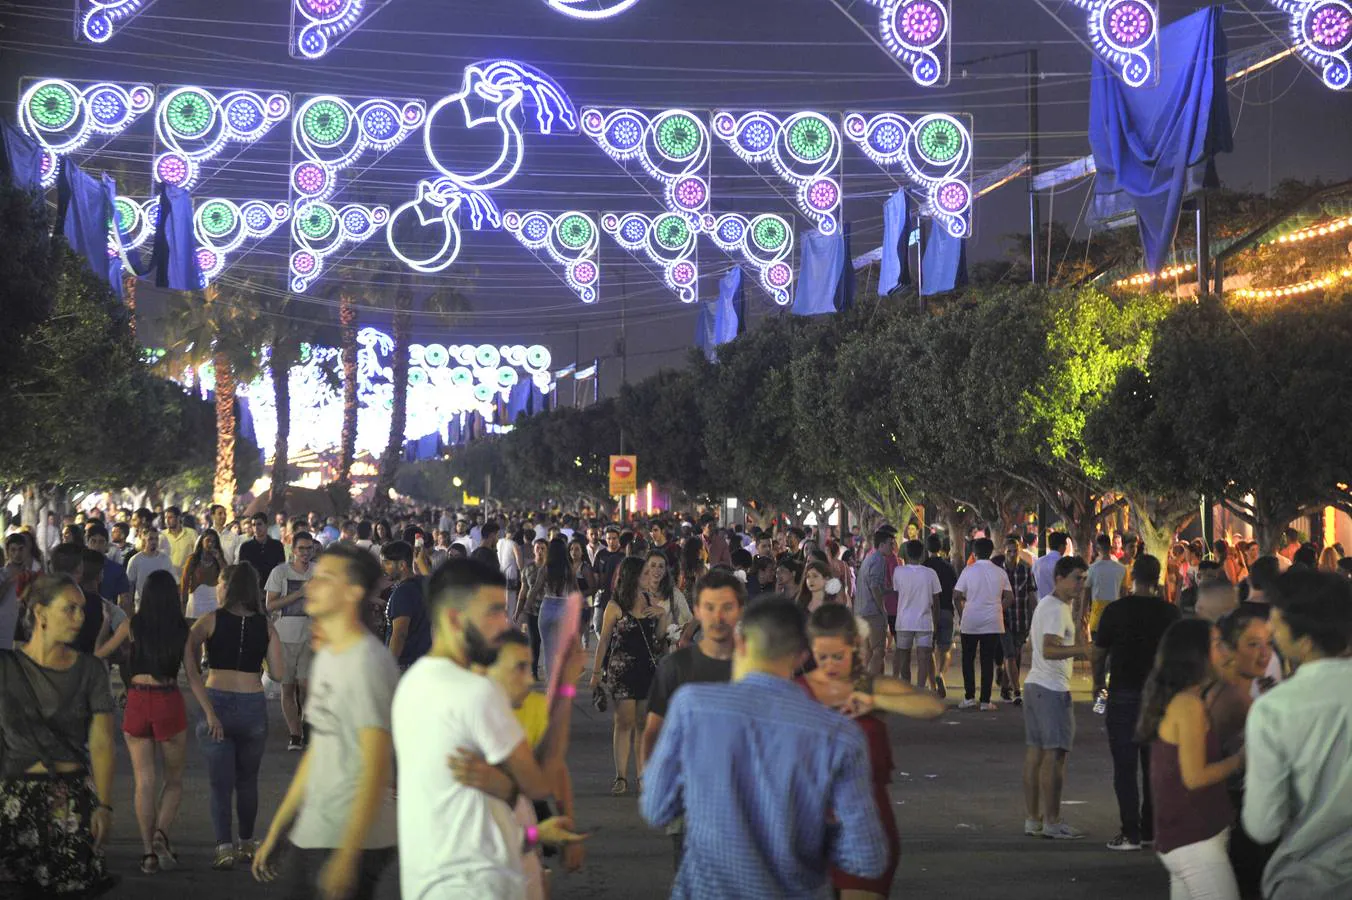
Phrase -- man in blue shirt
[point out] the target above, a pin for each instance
(869, 604)
(408, 630)
(114, 586)
(773, 785)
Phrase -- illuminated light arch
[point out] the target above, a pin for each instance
(671, 146)
(436, 210)
(919, 33)
(62, 116)
(571, 239)
(592, 10)
(764, 242)
(222, 226)
(99, 20)
(319, 230)
(1125, 35)
(934, 150)
(331, 133)
(667, 240)
(803, 149)
(317, 26)
(1321, 33)
(194, 124)
(135, 221)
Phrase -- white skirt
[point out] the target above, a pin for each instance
(202, 601)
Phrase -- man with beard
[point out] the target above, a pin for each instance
(456, 841)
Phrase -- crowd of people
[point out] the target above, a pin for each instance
(410, 653)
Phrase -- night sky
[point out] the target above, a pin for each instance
(699, 54)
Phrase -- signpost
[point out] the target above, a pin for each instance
(623, 476)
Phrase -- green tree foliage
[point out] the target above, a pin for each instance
(661, 420)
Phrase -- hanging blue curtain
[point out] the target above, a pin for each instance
(1154, 145)
(175, 247)
(244, 425)
(720, 320)
(821, 263)
(516, 401)
(944, 266)
(114, 258)
(896, 263)
(84, 212)
(845, 287)
(21, 160)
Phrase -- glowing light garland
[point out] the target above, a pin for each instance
(63, 117)
(933, 150)
(1316, 231)
(195, 124)
(765, 242)
(1168, 273)
(1297, 289)
(803, 149)
(1125, 35)
(571, 239)
(672, 147)
(99, 20)
(1321, 32)
(320, 230)
(918, 33)
(317, 26)
(592, 10)
(667, 240)
(331, 133)
(135, 221)
(221, 226)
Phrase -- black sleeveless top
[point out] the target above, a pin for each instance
(238, 643)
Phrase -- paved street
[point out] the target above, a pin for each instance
(958, 805)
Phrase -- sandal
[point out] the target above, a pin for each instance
(150, 864)
(163, 850)
(619, 787)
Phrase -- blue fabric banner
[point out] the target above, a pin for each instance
(720, 320)
(1154, 144)
(820, 266)
(175, 246)
(244, 425)
(944, 266)
(896, 264)
(84, 211)
(845, 287)
(21, 160)
(516, 400)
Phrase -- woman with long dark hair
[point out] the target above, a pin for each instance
(383, 533)
(583, 576)
(693, 564)
(659, 588)
(529, 599)
(234, 727)
(155, 717)
(201, 573)
(558, 583)
(56, 742)
(1188, 768)
(627, 654)
(814, 591)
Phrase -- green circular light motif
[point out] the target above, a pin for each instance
(672, 232)
(940, 140)
(189, 113)
(217, 218)
(52, 106)
(317, 222)
(575, 232)
(124, 212)
(325, 122)
(678, 136)
(769, 234)
(810, 139)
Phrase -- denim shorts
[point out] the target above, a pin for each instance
(1048, 718)
(943, 630)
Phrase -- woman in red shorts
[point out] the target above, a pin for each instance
(839, 681)
(155, 714)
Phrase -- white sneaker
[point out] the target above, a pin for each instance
(989, 707)
(1032, 827)
(1062, 832)
(967, 704)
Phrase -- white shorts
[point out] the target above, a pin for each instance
(296, 657)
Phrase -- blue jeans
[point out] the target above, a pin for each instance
(232, 764)
(551, 622)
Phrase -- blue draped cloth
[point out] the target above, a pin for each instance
(720, 320)
(21, 159)
(822, 262)
(845, 286)
(896, 263)
(175, 246)
(944, 266)
(245, 425)
(1154, 145)
(84, 211)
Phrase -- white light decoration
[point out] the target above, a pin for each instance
(331, 133)
(62, 117)
(571, 239)
(917, 32)
(431, 220)
(222, 226)
(764, 242)
(99, 20)
(804, 150)
(1321, 33)
(135, 221)
(591, 10)
(317, 26)
(1125, 35)
(319, 230)
(194, 124)
(672, 147)
(667, 240)
(934, 150)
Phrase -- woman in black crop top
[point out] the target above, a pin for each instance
(155, 715)
(234, 726)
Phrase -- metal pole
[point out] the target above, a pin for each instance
(1203, 247)
(577, 353)
(1034, 213)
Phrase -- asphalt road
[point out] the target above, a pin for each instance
(958, 805)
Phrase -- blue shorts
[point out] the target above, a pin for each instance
(943, 630)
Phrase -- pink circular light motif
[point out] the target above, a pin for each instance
(823, 194)
(1131, 24)
(690, 193)
(584, 272)
(207, 260)
(683, 273)
(172, 169)
(921, 23)
(303, 262)
(954, 197)
(322, 8)
(310, 178)
(1330, 26)
(779, 275)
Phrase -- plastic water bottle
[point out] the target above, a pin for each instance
(1101, 702)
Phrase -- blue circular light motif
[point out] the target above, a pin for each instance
(487, 356)
(887, 137)
(507, 377)
(536, 228)
(255, 218)
(380, 123)
(633, 229)
(624, 132)
(356, 222)
(731, 231)
(244, 114)
(107, 107)
(757, 135)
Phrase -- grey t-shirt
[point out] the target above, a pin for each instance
(349, 691)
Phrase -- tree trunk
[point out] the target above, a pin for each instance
(394, 447)
(1158, 521)
(282, 359)
(223, 488)
(129, 297)
(347, 318)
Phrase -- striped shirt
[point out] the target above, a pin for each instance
(1019, 614)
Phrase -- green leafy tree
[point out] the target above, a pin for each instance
(661, 419)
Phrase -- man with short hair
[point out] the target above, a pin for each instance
(408, 631)
(672, 548)
(285, 589)
(720, 598)
(220, 520)
(1044, 567)
(1048, 715)
(348, 532)
(340, 798)
(487, 551)
(918, 589)
(150, 559)
(943, 622)
(1298, 743)
(715, 544)
(113, 583)
(118, 550)
(1125, 643)
(869, 588)
(1105, 582)
(980, 596)
(178, 540)
(261, 550)
(1018, 617)
(760, 770)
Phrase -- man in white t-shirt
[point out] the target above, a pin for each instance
(230, 541)
(1048, 716)
(286, 596)
(918, 591)
(150, 559)
(980, 596)
(456, 841)
(1044, 566)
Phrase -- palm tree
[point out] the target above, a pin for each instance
(284, 334)
(218, 327)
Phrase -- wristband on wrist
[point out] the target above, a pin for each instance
(532, 838)
(568, 690)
